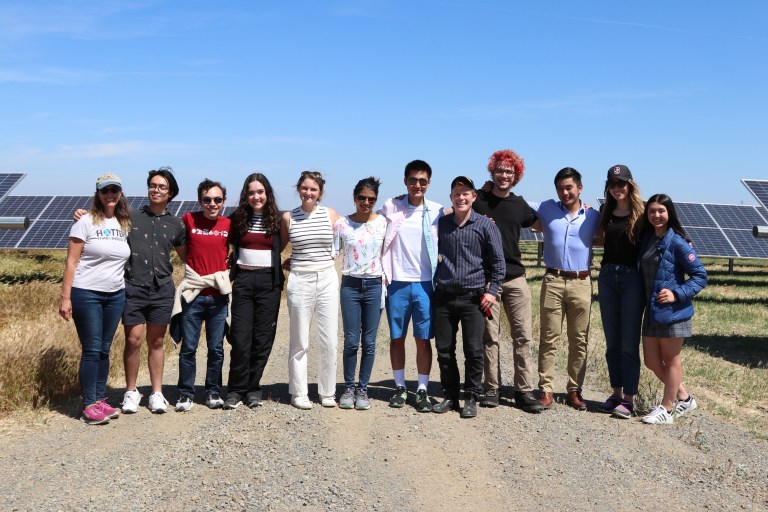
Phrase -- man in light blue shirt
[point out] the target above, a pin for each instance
(566, 288)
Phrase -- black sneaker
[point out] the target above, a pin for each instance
(214, 401)
(233, 401)
(527, 402)
(399, 398)
(423, 403)
(253, 399)
(491, 398)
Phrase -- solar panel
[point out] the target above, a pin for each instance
(137, 202)
(731, 216)
(759, 189)
(47, 234)
(188, 206)
(63, 207)
(529, 235)
(10, 237)
(24, 206)
(694, 214)
(8, 181)
(710, 242)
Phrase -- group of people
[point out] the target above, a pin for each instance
(430, 267)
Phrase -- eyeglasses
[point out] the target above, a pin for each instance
(110, 190)
(421, 181)
(617, 184)
(158, 186)
(217, 200)
(366, 199)
(502, 172)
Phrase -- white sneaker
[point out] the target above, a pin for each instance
(157, 403)
(214, 401)
(658, 415)
(184, 404)
(685, 406)
(301, 402)
(131, 401)
(328, 401)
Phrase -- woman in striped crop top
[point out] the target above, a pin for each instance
(313, 288)
(257, 284)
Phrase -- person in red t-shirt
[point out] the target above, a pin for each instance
(203, 294)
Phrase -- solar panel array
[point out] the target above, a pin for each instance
(723, 230)
(759, 189)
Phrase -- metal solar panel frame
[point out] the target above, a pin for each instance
(758, 189)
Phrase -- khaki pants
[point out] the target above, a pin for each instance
(516, 298)
(572, 297)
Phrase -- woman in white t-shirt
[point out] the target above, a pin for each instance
(93, 290)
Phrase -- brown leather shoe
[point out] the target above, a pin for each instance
(576, 401)
(546, 399)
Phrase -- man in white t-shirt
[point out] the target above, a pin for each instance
(409, 258)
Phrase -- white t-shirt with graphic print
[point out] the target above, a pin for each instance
(105, 252)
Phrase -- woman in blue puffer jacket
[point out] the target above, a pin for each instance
(665, 259)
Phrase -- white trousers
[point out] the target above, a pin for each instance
(313, 292)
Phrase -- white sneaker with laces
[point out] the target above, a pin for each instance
(684, 406)
(328, 401)
(657, 416)
(157, 403)
(301, 402)
(131, 401)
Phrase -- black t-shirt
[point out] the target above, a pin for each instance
(616, 248)
(152, 238)
(510, 214)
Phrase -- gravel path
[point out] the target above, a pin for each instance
(280, 458)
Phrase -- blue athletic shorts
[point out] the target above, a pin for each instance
(406, 301)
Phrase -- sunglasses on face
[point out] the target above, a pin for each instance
(110, 190)
(616, 184)
(366, 199)
(421, 181)
(209, 200)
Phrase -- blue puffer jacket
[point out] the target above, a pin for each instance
(677, 259)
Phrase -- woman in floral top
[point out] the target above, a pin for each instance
(359, 238)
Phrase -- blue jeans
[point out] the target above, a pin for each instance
(212, 310)
(622, 300)
(360, 312)
(96, 315)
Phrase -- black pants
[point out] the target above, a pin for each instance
(450, 310)
(255, 305)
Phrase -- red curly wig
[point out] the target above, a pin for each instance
(507, 159)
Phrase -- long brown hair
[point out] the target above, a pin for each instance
(270, 217)
(635, 221)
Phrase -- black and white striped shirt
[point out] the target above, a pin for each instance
(311, 237)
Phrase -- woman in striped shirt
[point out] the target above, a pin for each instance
(313, 288)
(257, 284)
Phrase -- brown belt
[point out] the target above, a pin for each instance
(569, 274)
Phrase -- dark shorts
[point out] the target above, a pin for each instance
(148, 305)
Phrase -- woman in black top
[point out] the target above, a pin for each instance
(620, 287)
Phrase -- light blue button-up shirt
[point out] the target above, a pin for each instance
(567, 239)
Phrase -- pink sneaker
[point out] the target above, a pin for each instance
(94, 415)
(109, 411)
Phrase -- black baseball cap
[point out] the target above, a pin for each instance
(463, 180)
(620, 172)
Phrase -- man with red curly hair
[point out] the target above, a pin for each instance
(510, 212)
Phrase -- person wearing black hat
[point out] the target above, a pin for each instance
(620, 287)
(470, 255)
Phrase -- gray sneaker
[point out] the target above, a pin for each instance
(347, 400)
(361, 400)
(254, 399)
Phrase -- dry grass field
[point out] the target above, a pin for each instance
(725, 363)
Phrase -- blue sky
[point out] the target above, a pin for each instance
(675, 90)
